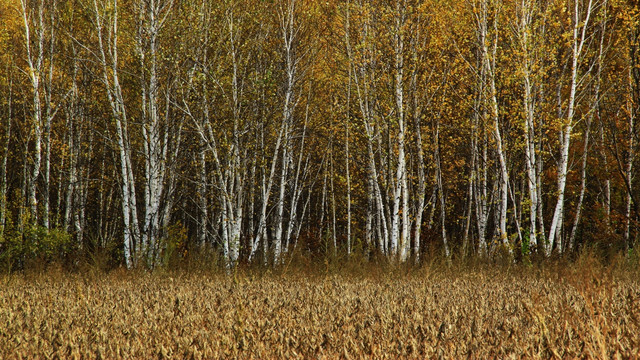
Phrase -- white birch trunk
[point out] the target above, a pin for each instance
(578, 41)
(399, 225)
(443, 207)
(277, 246)
(347, 160)
(528, 10)
(363, 76)
(152, 17)
(202, 200)
(504, 175)
(628, 173)
(267, 184)
(472, 186)
(234, 195)
(541, 235)
(35, 64)
(5, 156)
(301, 173)
(332, 192)
(633, 107)
(113, 89)
(73, 145)
(583, 177)
(483, 197)
(607, 182)
(489, 62)
(633, 104)
(479, 142)
(289, 31)
(48, 117)
(323, 201)
(422, 183)
(594, 109)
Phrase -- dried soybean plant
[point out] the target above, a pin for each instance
(472, 313)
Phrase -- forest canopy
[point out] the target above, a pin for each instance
(151, 130)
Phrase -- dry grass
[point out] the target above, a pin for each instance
(584, 311)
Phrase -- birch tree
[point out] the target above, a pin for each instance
(489, 56)
(288, 31)
(594, 108)
(152, 17)
(530, 32)
(292, 25)
(39, 40)
(226, 148)
(481, 186)
(362, 65)
(581, 23)
(400, 224)
(105, 21)
(7, 114)
(632, 109)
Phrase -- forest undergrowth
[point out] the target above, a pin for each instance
(577, 309)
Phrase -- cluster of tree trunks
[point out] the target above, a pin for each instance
(264, 128)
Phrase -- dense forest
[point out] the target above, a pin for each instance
(150, 130)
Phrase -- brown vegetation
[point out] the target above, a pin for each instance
(580, 311)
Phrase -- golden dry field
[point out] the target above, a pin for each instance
(555, 312)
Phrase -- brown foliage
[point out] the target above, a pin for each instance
(581, 311)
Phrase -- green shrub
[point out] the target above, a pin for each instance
(33, 246)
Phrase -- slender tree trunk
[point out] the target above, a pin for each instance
(363, 76)
(633, 108)
(111, 81)
(323, 205)
(284, 173)
(72, 132)
(483, 198)
(236, 172)
(23, 187)
(443, 207)
(489, 56)
(422, 183)
(49, 114)
(5, 156)
(628, 173)
(332, 192)
(466, 237)
(473, 180)
(595, 108)
(607, 182)
(82, 156)
(301, 173)
(267, 184)
(528, 10)
(35, 63)
(579, 39)
(479, 140)
(202, 200)
(399, 224)
(347, 161)
(583, 177)
(541, 239)
(517, 212)
(152, 17)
